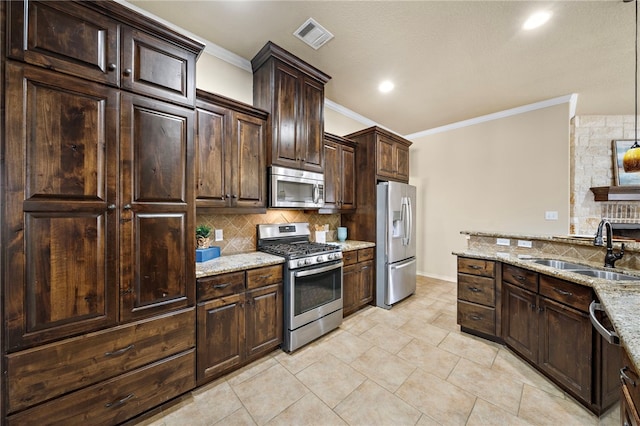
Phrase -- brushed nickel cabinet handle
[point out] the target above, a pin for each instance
(119, 402)
(474, 289)
(476, 317)
(475, 267)
(120, 351)
(624, 378)
(222, 285)
(562, 292)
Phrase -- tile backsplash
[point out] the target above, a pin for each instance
(239, 230)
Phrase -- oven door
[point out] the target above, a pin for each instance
(314, 292)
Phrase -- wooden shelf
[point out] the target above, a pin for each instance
(616, 193)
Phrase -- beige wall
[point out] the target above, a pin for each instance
(499, 175)
(222, 78)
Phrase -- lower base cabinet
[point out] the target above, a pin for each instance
(357, 279)
(629, 392)
(239, 318)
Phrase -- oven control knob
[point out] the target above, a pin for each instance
(307, 261)
(319, 259)
(331, 256)
(300, 262)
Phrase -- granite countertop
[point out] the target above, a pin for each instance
(620, 299)
(256, 259)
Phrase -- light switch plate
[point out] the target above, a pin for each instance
(218, 235)
(551, 215)
(503, 241)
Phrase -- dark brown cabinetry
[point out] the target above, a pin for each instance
(478, 297)
(546, 321)
(339, 173)
(293, 92)
(629, 392)
(230, 155)
(97, 214)
(374, 159)
(239, 319)
(357, 279)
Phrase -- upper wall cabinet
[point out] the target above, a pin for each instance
(230, 155)
(293, 92)
(339, 173)
(83, 41)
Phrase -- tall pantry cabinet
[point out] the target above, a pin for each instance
(97, 216)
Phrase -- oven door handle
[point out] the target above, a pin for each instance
(317, 270)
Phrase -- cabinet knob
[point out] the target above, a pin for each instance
(228, 196)
(111, 207)
(127, 72)
(222, 197)
(234, 196)
(127, 207)
(112, 67)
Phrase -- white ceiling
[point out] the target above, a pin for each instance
(450, 60)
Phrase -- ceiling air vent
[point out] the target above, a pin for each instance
(312, 33)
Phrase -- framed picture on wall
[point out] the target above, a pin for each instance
(622, 178)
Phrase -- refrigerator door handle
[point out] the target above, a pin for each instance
(405, 222)
(410, 221)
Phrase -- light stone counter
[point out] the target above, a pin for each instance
(350, 245)
(236, 262)
(620, 299)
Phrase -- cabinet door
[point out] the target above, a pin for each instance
(365, 293)
(157, 215)
(264, 319)
(350, 288)
(66, 37)
(60, 164)
(348, 178)
(520, 321)
(221, 328)
(385, 157)
(311, 133)
(285, 115)
(402, 162)
(212, 167)
(158, 68)
(248, 164)
(331, 175)
(566, 346)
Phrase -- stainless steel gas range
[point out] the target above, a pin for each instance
(312, 282)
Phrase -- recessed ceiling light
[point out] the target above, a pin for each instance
(386, 86)
(537, 19)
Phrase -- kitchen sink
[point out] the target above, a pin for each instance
(607, 275)
(558, 264)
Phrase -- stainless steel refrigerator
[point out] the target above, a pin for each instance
(395, 243)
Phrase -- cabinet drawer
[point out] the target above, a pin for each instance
(477, 317)
(572, 294)
(118, 399)
(365, 254)
(631, 387)
(220, 285)
(476, 289)
(485, 268)
(38, 374)
(520, 277)
(350, 257)
(264, 276)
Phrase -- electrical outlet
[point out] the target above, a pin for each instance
(503, 241)
(525, 243)
(218, 234)
(551, 215)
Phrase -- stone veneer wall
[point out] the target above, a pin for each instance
(239, 230)
(592, 165)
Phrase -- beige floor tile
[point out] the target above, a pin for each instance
(426, 332)
(439, 399)
(507, 363)
(359, 324)
(216, 401)
(476, 350)
(386, 369)
(429, 358)
(386, 317)
(346, 346)
(541, 408)
(269, 393)
(611, 417)
(494, 387)
(239, 417)
(387, 338)
(186, 409)
(371, 405)
(308, 411)
(427, 421)
(250, 370)
(301, 359)
(487, 414)
(446, 321)
(331, 379)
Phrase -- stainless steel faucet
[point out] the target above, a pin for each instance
(611, 257)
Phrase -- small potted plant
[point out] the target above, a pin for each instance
(202, 236)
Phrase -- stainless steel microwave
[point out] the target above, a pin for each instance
(291, 188)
